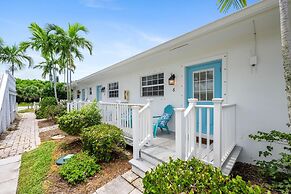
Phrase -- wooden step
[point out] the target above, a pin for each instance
(230, 161)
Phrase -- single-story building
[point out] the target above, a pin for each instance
(237, 58)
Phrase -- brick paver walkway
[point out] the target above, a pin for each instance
(21, 140)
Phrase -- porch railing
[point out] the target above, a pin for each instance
(119, 114)
(142, 127)
(76, 105)
(206, 132)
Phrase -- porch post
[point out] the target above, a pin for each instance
(150, 121)
(68, 107)
(135, 131)
(180, 132)
(217, 125)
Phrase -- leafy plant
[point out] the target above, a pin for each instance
(193, 176)
(78, 168)
(102, 141)
(276, 171)
(72, 122)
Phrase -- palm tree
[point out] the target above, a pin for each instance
(45, 42)
(47, 68)
(224, 5)
(69, 44)
(16, 57)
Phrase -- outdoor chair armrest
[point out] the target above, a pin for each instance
(156, 116)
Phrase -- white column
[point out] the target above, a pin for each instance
(192, 123)
(217, 124)
(135, 131)
(180, 132)
(150, 121)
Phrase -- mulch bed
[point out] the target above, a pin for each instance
(251, 173)
(71, 145)
(45, 123)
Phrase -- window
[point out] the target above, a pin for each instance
(90, 91)
(113, 90)
(203, 85)
(152, 85)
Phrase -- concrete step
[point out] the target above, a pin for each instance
(141, 166)
(150, 158)
(230, 161)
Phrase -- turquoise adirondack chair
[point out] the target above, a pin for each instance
(163, 120)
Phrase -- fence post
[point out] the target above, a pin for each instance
(68, 107)
(150, 121)
(192, 125)
(180, 132)
(217, 124)
(118, 114)
(135, 131)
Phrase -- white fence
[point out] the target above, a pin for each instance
(197, 136)
(76, 105)
(7, 100)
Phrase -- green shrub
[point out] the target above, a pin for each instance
(103, 141)
(276, 171)
(72, 122)
(47, 101)
(193, 176)
(78, 168)
(54, 111)
(44, 107)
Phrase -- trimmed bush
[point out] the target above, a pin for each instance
(103, 141)
(78, 168)
(193, 176)
(72, 122)
(44, 105)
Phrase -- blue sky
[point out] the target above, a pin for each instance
(118, 29)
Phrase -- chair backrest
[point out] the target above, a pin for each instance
(169, 110)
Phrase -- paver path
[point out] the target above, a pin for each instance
(21, 140)
(128, 183)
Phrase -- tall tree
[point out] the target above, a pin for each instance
(70, 43)
(225, 5)
(16, 57)
(45, 42)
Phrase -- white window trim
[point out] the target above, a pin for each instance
(141, 86)
(113, 90)
(213, 90)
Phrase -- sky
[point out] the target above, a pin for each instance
(118, 29)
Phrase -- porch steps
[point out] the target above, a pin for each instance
(141, 166)
(230, 161)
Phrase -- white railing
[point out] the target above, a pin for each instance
(118, 114)
(197, 136)
(142, 128)
(7, 101)
(76, 105)
(228, 133)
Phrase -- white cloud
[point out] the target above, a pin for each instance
(102, 4)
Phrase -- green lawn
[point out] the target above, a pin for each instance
(26, 110)
(34, 168)
(25, 104)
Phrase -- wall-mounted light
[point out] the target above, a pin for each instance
(172, 79)
(103, 89)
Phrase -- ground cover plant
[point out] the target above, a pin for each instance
(277, 172)
(78, 168)
(103, 141)
(193, 176)
(34, 168)
(72, 122)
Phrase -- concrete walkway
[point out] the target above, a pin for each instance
(25, 138)
(9, 169)
(128, 183)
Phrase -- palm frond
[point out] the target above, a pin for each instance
(225, 5)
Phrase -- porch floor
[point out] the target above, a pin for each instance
(163, 147)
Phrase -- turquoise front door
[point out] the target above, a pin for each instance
(98, 93)
(204, 82)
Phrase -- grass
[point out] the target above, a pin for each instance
(26, 110)
(25, 104)
(34, 167)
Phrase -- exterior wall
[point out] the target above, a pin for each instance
(257, 91)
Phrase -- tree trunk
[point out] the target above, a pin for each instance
(55, 84)
(286, 54)
(12, 69)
